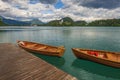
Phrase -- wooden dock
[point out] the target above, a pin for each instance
(18, 64)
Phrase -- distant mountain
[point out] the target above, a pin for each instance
(14, 22)
(66, 21)
(21, 23)
(36, 22)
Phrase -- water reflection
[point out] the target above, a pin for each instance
(57, 61)
(96, 68)
(100, 38)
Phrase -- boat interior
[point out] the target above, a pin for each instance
(39, 46)
(101, 54)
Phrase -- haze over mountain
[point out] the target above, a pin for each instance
(11, 22)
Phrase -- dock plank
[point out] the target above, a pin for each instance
(18, 64)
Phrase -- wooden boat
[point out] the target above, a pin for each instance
(41, 48)
(104, 57)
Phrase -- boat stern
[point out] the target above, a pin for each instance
(61, 51)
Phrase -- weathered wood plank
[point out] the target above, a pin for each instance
(17, 64)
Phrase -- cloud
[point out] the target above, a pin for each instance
(9, 10)
(32, 1)
(48, 1)
(22, 4)
(108, 4)
(77, 11)
(45, 10)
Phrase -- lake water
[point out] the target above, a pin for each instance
(100, 38)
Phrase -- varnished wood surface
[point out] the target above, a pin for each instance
(42, 48)
(17, 64)
(107, 58)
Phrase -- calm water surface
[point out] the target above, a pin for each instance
(100, 38)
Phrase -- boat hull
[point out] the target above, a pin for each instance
(58, 53)
(81, 55)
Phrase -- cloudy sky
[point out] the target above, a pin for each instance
(46, 10)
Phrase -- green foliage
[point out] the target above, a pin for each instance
(108, 22)
(66, 22)
(80, 23)
(63, 22)
(1, 23)
(53, 23)
(69, 22)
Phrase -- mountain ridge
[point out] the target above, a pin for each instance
(66, 21)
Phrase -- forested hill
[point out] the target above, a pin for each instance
(1, 23)
(66, 21)
(107, 22)
(69, 22)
